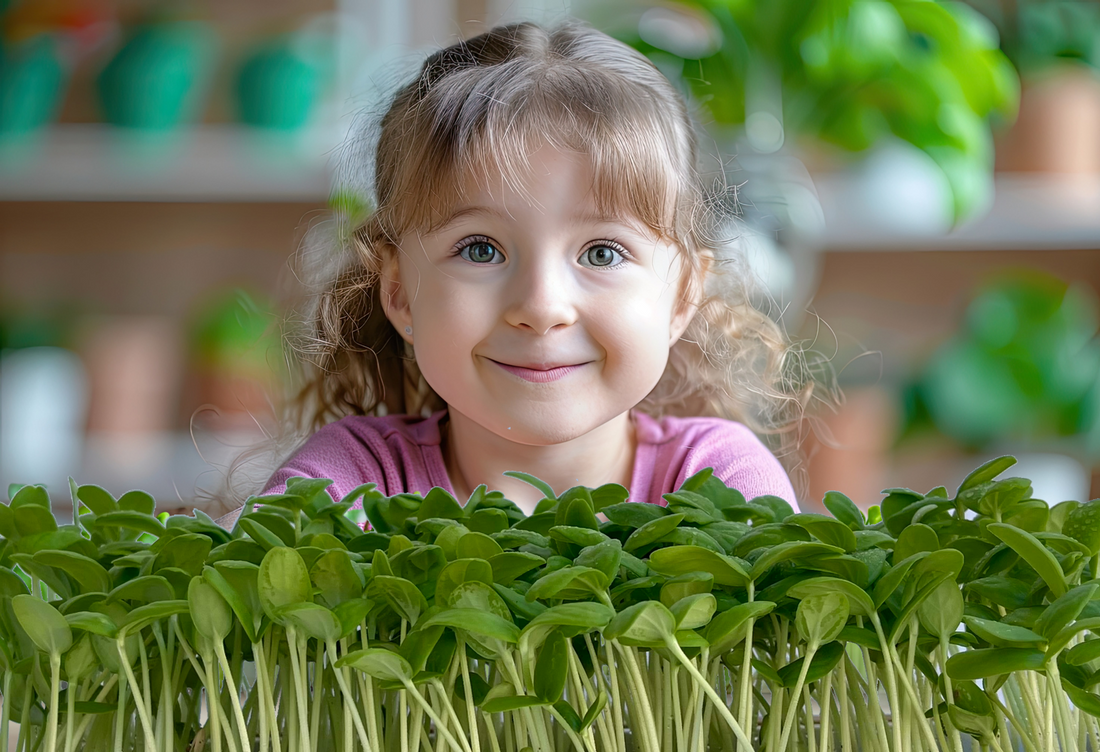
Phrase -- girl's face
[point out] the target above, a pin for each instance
(532, 316)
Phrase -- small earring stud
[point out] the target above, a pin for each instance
(408, 330)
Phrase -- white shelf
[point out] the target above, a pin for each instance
(171, 466)
(1028, 212)
(200, 163)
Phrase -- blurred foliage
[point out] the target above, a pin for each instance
(852, 72)
(235, 331)
(1024, 366)
(1039, 33)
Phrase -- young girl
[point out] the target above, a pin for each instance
(540, 287)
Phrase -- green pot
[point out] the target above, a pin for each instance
(32, 81)
(277, 88)
(155, 79)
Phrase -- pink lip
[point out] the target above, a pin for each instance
(537, 376)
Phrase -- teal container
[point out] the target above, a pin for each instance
(32, 81)
(277, 88)
(156, 79)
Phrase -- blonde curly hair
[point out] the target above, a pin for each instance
(479, 107)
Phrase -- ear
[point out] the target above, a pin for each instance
(395, 302)
(690, 298)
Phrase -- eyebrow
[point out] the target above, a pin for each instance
(586, 218)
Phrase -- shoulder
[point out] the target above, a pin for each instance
(739, 458)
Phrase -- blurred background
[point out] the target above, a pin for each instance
(919, 183)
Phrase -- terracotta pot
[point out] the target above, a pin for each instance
(1058, 129)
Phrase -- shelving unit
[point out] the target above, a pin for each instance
(204, 163)
(1028, 212)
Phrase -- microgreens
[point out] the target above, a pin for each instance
(595, 624)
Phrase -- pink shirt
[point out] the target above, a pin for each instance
(402, 454)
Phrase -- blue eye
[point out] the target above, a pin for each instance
(602, 255)
(481, 252)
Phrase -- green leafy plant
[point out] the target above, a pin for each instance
(713, 623)
(1023, 366)
(848, 73)
(1036, 34)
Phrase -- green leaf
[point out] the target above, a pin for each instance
(987, 472)
(1082, 523)
(942, 611)
(137, 501)
(844, 509)
(88, 573)
(1083, 652)
(351, 614)
(283, 579)
(684, 585)
(552, 668)
(652, 531)
(726, 630)
(790, 550)
(677, 560)
(1002, 591)
(531, 480)
(1086, 701)
(825, 529)
(978, 664)
(131, 521)
(859, 602)
(477, 546)
(313, 620)
(580, 536)
(44, 624)
(335, 578)
(382, 664)
(593, 711)
(147, 589)
(31, 495)
(634, 514)
(1003, 635)
(1034, 553)
(1064, 610)
(459, 571)
(402, 596)
(694, 611)
(509, 565)
(508, 703)
(645, 624)
(210, 613)
(247, 608)
(143, 616)
(568, 714)
(824, 660)
(890, 581)
(477, 622)
(97, 499)
(820, 618)
(92, 622)
(555, 583)
(260, 534)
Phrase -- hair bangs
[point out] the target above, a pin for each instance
(482, 132)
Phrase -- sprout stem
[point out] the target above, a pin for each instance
(723, 710)
(55, 690)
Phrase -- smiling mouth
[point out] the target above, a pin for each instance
(540, 376)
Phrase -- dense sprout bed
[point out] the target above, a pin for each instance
(715, 623)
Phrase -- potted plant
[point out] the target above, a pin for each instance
(845, 74)
(1021, 371)
(1055, 44)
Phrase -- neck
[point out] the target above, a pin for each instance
(474, 456)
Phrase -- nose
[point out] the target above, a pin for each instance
(541, 295)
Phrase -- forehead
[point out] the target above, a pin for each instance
(550, 180)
